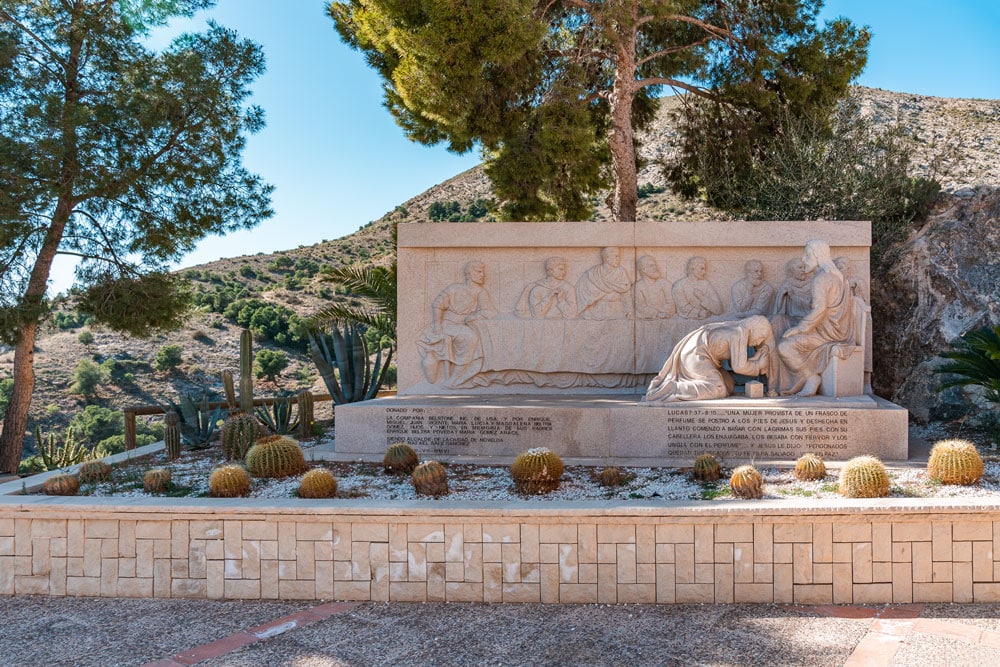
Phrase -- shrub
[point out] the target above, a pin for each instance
(6, 390)
(974, 361)
(87, 377)
(71, 320)
(95, 424)
(168, 357)
(85, 337)
(269, 363)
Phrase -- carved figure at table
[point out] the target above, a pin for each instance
(451, 349)
(653, 300)
(552, 297)
(752, 295)
(858, 287)
(603, 291)
(694, 296)
(794, 297)
(806, 348)
(694, 371)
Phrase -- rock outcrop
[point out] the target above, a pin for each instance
(944, 282)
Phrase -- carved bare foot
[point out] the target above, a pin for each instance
(810, 387)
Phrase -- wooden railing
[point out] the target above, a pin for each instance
(146, 410)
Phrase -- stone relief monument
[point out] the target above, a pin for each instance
(561, 335)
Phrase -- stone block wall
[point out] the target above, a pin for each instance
(782, 551)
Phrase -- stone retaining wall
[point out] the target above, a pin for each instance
(772, 551)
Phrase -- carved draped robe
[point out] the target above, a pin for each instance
(601, 293)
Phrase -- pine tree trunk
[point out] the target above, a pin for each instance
(623, 199)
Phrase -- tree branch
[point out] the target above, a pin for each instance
(681, 18)
(672, 49)
(26, 30)
(675, 83)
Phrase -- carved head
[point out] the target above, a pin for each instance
(844, 265)
(475, 272)
(648, 267)
(795, 268)
(611, 256)
(697, 268)
(555, 267)
(754, 272)
(759, 330)
(816, 253)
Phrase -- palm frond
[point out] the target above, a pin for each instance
(975, 361)
(376, 284)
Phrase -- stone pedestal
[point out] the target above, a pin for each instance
(844, 377)
(616, 426)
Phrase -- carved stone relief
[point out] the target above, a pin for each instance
(694, 296)
(653, 297)
(549, 298)
(603, 292)
(752, 295)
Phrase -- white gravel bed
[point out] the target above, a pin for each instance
(190, 476)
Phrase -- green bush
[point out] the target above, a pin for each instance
(85, 337)
(168, 357)
(269, 363)
(95, 423)
(247, 271)
(87, 377)
(71, 320)
(268, 321)
(6, 390)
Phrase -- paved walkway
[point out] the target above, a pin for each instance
(171, 633)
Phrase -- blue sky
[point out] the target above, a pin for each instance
(338, 160)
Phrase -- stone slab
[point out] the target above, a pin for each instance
(622, 427)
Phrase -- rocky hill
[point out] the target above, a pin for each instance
(957, 141)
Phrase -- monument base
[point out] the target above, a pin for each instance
(616, 426)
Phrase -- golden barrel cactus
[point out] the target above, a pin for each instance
(537, 471)
(955, 462)
(864, 477)
(747, 482)
(430, 479)
(318, 483)
(276, 456)
(706, 468)
(94, 471)
(611, 476)
(229, 481)
(399, 459)
(810, 468)
(62, 484)
(156, 480)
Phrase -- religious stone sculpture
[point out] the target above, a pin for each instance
(451, 349)
(653, 299)
(752, 295)
(806, 348)
(793, 298)
(551, 297)
(603, 291)
(694, 295)
(694, 370)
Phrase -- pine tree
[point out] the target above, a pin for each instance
(118, 156)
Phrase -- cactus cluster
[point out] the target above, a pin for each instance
(537, 471)
(747, 482)
(430, 479)
(61, 485)
(172, 435)
(229, 481)
(318, 483)
(239, 432)
(276, 456)
(707, 468)
(156, 480)
(955, 462)
(94, 471)
(864, 477)
(399, 459)
(810, 467)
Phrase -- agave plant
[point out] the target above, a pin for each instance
(343, 361)
(197, 420)
(279, 418)
(974, 360)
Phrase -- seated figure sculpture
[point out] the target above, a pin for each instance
(551, 297)
(451, 350)
(603, 291)
(793, 299)
(694, 295)
(752, 295)
(694, 371)
(653, 300)
(806, 348)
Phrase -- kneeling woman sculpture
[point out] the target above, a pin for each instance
(694, 370)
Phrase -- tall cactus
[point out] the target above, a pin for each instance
(172, 435)
(307, 413)
(246, 372)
